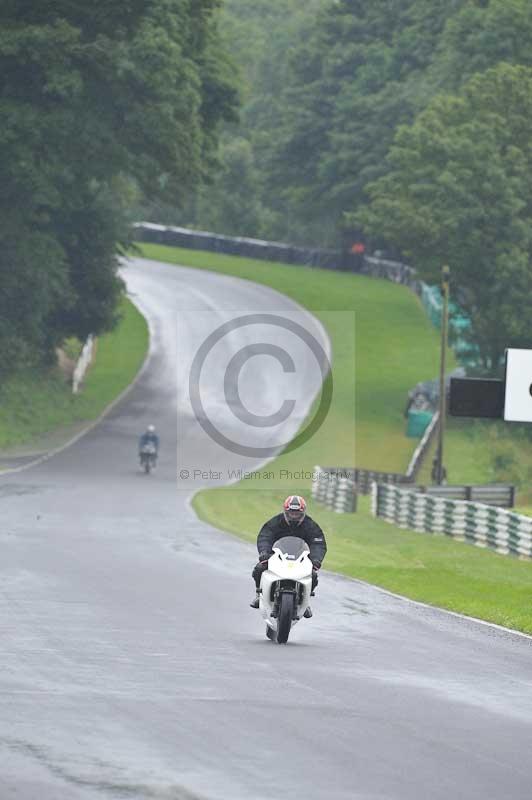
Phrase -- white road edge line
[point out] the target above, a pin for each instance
(438, 609)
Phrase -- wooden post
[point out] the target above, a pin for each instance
(443, 398)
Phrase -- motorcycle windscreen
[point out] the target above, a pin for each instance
(291, 546)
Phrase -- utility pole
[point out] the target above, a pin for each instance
(445, 276)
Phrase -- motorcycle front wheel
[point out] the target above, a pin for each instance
(286, 614)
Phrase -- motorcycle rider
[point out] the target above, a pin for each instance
(149, 437)
(292, 521)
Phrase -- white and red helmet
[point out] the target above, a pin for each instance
(294, 509)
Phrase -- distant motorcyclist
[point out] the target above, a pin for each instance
(149, 437)
(292, 521)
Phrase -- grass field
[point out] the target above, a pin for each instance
(32, 404)
(395, 348)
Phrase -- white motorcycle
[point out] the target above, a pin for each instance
(285, 587)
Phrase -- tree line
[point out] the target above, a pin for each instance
(406, 122)
(100, 103)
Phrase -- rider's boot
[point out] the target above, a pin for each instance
(255, 602)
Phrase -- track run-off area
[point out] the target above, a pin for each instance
(131, 665)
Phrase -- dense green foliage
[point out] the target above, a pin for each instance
(460, 190)
(261, 37)
(407, 121)
(360, 75)
(38, 411)
(97, 102)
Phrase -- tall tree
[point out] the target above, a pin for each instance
(261, 36)
(480, 35)
(91, 98)
(459, 190)
(359, 75)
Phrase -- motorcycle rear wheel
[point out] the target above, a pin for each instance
(286, 614)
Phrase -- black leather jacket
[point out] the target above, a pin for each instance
(277, 527)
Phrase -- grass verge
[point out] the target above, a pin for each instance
(395, 348)
(34, 403)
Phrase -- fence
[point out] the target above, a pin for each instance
(338, 487)
(335, 490)
(238, 246)
(492, 494)
(277, 251)
(459, 323)
(82, 364)
(482, 525)
(363, 478)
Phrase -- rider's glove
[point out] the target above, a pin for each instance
(316, 565)
(264, 557)
(260, 567)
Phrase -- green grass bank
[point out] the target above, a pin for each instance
(33, 404)
(395, 348)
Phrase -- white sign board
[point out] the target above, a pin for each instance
(518, 390)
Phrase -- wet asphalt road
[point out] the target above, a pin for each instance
(131, 666)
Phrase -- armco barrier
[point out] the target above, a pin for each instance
(277, 251)
(363, 478)
(499, 495)
(482, 525)
(237, 246)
